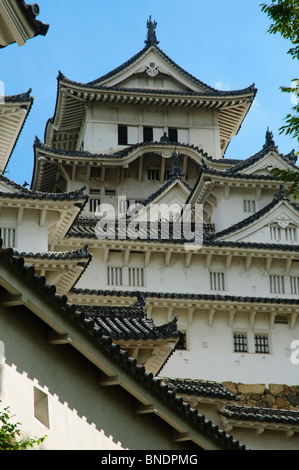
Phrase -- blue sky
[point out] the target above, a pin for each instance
(223, 43)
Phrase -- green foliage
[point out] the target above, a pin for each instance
(288, 176)
(10, 434)
(284, 15)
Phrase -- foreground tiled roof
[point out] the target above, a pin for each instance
(269, 415)
(106, 342)
(128, 323)
(200, 388)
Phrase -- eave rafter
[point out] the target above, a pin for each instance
(72, 99)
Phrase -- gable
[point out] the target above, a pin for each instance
(278, 225)
(263, 164)
(164, 204)
(152, 70)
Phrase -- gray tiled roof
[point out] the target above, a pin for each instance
(185, 296)
(81, 253)
(200, 388)
(128, 323)
(114, 350)
(21, 192)
(268, 415)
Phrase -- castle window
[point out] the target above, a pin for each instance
(261, 343)
(277, 284)
(41, 407)
(114, 276)
(294, 284)
(240, 342)
(249, 205)
(95, 172)
(275, 233)
(8, 236)
(122, 135)
(153, 174)
(173, 135)
(136, 277)
(94, 200)
(148, 134)
(288, 234)
(217, 281)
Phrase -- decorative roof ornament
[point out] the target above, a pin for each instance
(269, 139)
(176, 171)
(151, 34)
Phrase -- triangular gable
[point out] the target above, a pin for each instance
(9, 186)
(170, 198)
(152, 63)
(262, 162)
(275, 223)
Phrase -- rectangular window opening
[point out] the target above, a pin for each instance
(240, 342)
(136, 277)
(173, 135)
(41, 407)
(122, 135)
(148, 134)
(114, 276)
(261, 344)
(249, 205)
(217, 281)
(153, 174)
(8, 236)
(277, 284)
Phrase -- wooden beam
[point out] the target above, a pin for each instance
(167, 258)
(162, 170)
(57, 339)
(212, 312)
(147, 256)
(181, 437)
(127, 252)
(144, 409)
(42, 218)
(106, 381)
(140, 170)
(8, 300)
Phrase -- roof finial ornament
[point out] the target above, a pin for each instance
(151, 34)
(176, 171)
(269, 139)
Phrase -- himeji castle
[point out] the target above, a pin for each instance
(185, 259)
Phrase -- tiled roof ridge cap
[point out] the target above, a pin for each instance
(209, 92)
(32, 10)
(79, 193)
(176, 295)
(75, 254)
(107, 343)
(123, 153)
(230, 174)
(257, 156)
(20, 97)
